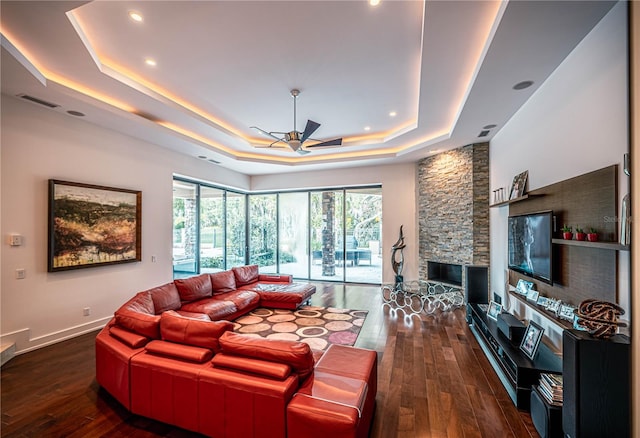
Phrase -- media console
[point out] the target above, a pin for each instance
(516, 371)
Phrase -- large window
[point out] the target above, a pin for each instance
(329, 235)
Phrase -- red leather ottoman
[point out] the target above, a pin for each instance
(283, 295)
(338, 400)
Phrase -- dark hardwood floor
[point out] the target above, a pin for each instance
(433, 381)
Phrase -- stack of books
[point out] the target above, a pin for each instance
(551, 388)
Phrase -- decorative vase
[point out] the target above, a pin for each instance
(580, 236)
(567, 235)
(592, 237)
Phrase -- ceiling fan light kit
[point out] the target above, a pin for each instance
(295, 139)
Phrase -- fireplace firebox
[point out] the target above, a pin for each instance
(445, 273)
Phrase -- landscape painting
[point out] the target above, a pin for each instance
(92, 225)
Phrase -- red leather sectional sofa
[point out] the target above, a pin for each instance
(170, 354)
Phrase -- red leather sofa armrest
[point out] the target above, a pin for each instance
(275, 278)
(179, 351)
(128, 338)
(254, 366)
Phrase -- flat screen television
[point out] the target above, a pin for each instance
(530, 250)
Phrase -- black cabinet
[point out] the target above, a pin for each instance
(596, 386)
(516, 371)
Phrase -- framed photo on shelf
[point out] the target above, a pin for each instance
(566, 312)
(494, 310)
(531, 340)
(523, 287)
(554, 305)
(518, 185)
(532, 295)
(577, 325)
(543, 301)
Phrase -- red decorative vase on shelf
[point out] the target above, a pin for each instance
(580, 236)
(592, 237)
(567, 235)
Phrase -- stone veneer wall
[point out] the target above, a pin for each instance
(453, 207)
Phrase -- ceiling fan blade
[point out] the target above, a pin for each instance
(334, 142)
(309, 129)
(268, 134)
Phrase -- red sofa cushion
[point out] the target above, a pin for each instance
(245, 274)
(177, 328)
(274, 370)
(194, 288)
(128, 338)
(138, 315)
(165, 297)
(222, 282)
(178, 351)
(296, 354)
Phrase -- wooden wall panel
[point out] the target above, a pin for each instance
(589, 200)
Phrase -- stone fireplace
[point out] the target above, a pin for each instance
(453, 212)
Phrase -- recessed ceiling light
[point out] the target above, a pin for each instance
(489, 126)
(202, 157)
(522, 85)
(367, 128)
(150, 62)
(374, 2)
(75, 113)
(393, 114)
(135, 16)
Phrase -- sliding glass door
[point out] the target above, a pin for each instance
(293, 231)
(363, 212)
(212, 229)
(329, 235)
(185, 229)
(263, 232)
(236, 219)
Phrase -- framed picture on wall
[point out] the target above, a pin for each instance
(92, 225)
(531, 340)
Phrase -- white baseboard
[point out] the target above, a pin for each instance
(23, 343)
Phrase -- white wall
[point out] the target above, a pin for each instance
(576, 122)
(398, 203)
(39, 144)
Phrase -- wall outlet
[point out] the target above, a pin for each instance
(15, 240)
(21, 273)
(86, 311)
(153, 259)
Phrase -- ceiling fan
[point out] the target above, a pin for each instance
(295, 139)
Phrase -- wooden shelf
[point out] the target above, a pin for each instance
(541, 310)
(615, 246)
(510, 201)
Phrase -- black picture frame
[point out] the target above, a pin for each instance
(531, 340)
(91, 225)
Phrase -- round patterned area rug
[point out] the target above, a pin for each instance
(317, 326)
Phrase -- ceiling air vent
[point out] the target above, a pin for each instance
(483, 133)
(38, 101)
(211, 160)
